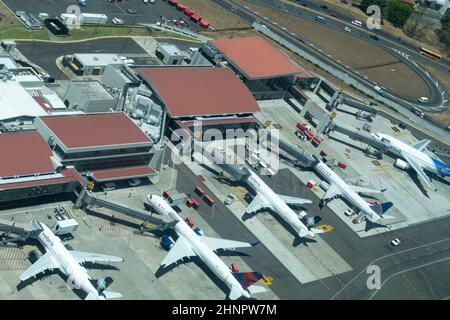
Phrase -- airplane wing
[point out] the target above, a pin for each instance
(45, 262)
(421, 145)
(82, 257)
(359, 189)
(216, 243)
(257, 204)
(331, 193)
(419, 171)
(294, 200)
(179, 251)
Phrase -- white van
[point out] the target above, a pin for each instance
(357, 23)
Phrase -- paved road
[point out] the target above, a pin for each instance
(357, 252)
(442, 65)
(438, 100)
(44, 54)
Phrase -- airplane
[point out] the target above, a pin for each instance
(191, 244)
(267, 198)
(338, 187)
(69, 262)
(414, 157)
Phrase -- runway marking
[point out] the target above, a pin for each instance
(406, 270)
(385, 256)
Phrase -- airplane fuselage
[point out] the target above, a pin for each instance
(279, 206)
(332, 178)
(201, 249)
(76, 274)
(400, 148)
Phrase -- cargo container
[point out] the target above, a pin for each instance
(234, 267)
(188, 12)
(167, 242)
(208, 199)
(181, 6)
(93, 18)
(195, 204)
(309, 134)
(315, 142)
(323, 153)
(190, 202)
(196, 17)
(301, 126)
(199, 191)
(190, 221)
(204, 23)
(342, 165)
(166, 194)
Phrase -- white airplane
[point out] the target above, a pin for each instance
(191, 244)
(58, 257)
(338, 187)
(267, 198)
(414, 158)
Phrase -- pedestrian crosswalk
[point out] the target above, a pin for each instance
(137, 55)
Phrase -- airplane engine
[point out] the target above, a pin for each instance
(324, 185)
(399, 163)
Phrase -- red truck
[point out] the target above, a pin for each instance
(208, 199)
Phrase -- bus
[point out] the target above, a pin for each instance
(430, 54)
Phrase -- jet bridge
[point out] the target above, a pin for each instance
(11, 231)
(339, 99)
(87, 198)
(304, 159)
(359, 135)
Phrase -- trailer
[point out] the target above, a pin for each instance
(93, 18)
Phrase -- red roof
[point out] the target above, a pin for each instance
(194, 91)
(69, 175)
(98, 129)
(122, 173)
(24, 153)
(221, 121)
(256, 58)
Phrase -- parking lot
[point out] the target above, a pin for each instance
(145, 13)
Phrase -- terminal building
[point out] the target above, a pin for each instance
(104, 146)
(28, 169)
(212, 97)
(267, 71)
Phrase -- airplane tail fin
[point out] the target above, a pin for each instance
(93, 296)
(380, 209)
(111, 295)
(235, 293)
(247, 279)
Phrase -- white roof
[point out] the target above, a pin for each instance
(8, 62)
(98, 59)
(15, 101)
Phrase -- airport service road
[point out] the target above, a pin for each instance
(357, 252)
(44, 54)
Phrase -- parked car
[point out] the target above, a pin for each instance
(117, 21)
(349, 212)
(324, 7)
(108, 186)
(134, 182)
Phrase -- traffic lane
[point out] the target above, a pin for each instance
(339, 25)
(316, 7)
(44, 54)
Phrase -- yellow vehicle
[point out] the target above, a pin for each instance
(430, 54)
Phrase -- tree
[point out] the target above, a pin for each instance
(398, 12)
(381, 3)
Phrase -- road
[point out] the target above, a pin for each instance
(438, 100)
(44, 54)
